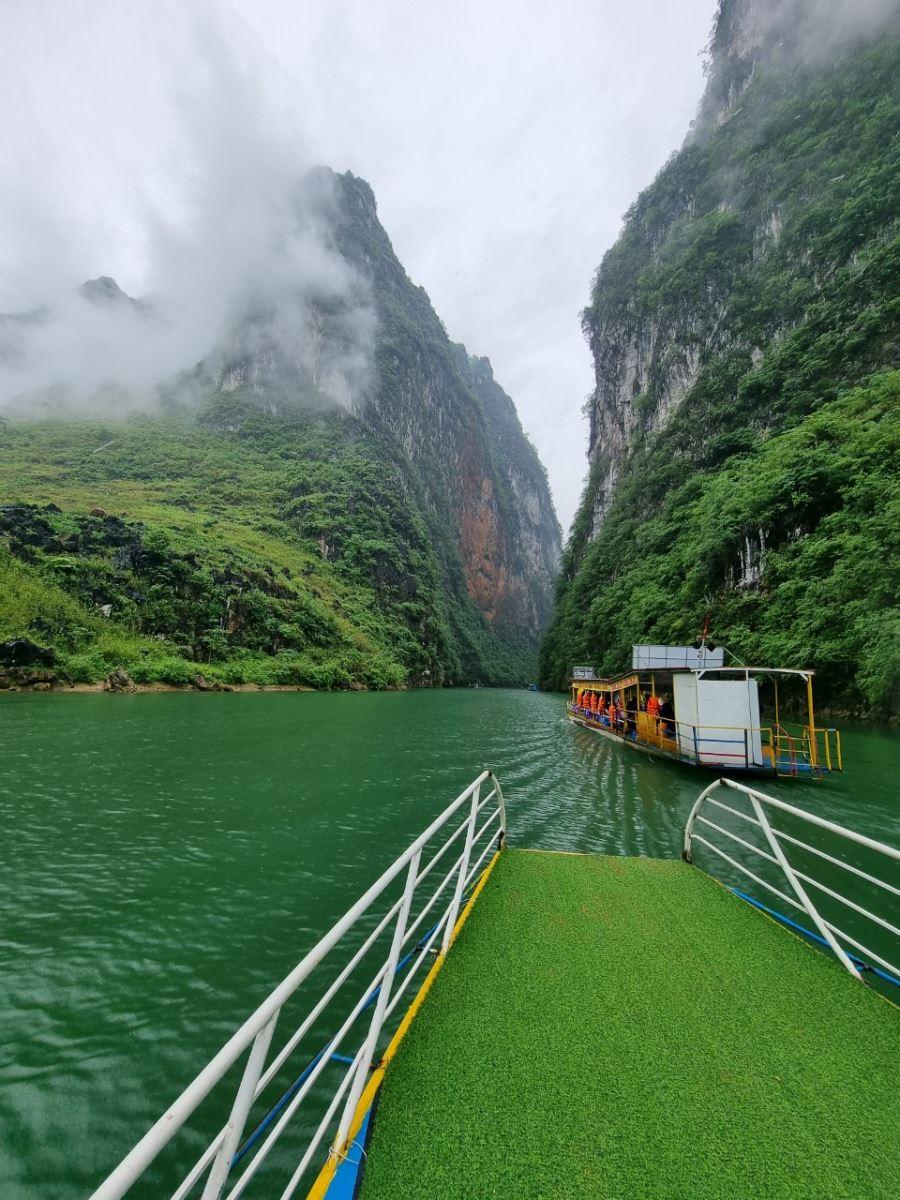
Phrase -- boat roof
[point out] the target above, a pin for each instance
(736, 669)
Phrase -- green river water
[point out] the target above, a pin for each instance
(167, 858)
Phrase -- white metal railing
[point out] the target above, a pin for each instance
(798, 880)
(254, 1037)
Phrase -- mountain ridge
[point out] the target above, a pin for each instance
(271, 523)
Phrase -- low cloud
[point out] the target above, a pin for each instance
(224, 235)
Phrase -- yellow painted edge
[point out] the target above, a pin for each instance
(330, 1166)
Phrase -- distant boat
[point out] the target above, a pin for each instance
(683, 703)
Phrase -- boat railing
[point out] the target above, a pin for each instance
(737, 746)
(776, 846)
(418, 925)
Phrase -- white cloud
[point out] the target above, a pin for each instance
(503, 139)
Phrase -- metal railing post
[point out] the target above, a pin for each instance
(692, 816)
(463, 872)
(501, 804)
(240, 1110)
(384, 993)
(253, 1038)
(811, 910)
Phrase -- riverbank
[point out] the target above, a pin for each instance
(137, 688)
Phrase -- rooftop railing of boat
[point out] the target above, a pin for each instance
(418, 929)
(779, 843)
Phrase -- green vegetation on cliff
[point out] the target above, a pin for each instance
(763, 264)
(288, 551)
(252, 529)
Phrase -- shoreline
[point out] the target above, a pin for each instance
(101, 687)
(138, 688)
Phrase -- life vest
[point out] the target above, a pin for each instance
(653, 706)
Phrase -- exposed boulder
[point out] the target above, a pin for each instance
(20, 652)
(201, 684)
(119, 681)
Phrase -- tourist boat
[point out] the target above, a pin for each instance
(684, 703)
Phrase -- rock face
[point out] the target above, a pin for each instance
(350, 497)
(20, 652)
(23, 663)
(647, 356)
(381, 352)
(745, 342)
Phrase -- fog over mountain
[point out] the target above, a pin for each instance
(161, 147)
(243, 230)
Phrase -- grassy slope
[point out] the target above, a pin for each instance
(290, 552)
(625, 1027)
(792, 427)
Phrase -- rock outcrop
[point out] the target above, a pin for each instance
(648, 348)
(381, 353)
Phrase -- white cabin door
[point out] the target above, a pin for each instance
(728, 733)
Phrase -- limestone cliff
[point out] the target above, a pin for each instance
(480, 474)
(384, 355)
(749, 298)
(345, 496)
(709, 220)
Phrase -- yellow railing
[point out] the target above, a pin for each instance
(683, 739)
(785, 752)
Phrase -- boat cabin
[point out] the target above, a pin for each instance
(683, 702)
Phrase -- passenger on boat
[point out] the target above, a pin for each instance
(652, 706)
(667, 716)
(601, 706)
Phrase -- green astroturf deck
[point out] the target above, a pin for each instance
(627, 1028)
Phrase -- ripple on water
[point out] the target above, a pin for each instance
(169, 858)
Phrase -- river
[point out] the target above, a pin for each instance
(168, 857)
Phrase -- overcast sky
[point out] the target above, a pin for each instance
(504, 140)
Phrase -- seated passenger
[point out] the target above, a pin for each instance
(667, 716)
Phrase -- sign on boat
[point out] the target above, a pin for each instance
(684, 703)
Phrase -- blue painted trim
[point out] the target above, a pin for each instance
(346, 1179)
(857, 962)
(280, 1104)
